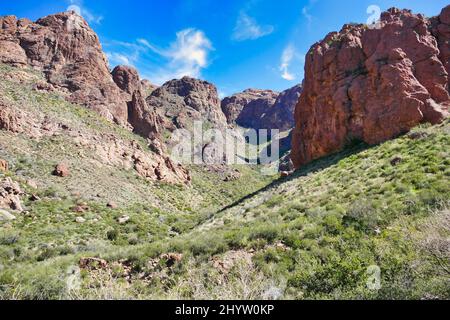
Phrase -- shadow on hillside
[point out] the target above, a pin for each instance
(312, 167)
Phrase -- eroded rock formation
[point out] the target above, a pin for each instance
(68, 51)
(262, 109)
(180, 102)
(373, 84)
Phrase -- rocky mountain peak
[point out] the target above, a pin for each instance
(182, 101)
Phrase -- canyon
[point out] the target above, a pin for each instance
(94, 206)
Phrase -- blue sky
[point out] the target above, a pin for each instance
(235, 44)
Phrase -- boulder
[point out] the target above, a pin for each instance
(10, 193)
(112, 205)
(61, 170)
(3, 165)
(80, 220)
(127, 79)
(123, 219)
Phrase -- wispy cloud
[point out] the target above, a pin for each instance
(306, 12)
(287, 57)
(116, 58)
(79, 8)
(247, 28)
(187, 55)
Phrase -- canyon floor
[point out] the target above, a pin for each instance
(366, 223)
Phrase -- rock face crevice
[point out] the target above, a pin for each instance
(373, 84)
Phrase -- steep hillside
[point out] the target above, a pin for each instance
(92, 206)
(312, 235)
(107, 197)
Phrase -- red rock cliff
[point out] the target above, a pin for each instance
(373, 84)
(68, 51)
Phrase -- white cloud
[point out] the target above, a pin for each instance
(247, 28)
(222, 94)
(187, 55)
(116, 58)
(77, 6)
(305, 12)
(286, 59)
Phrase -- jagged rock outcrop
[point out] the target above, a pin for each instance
(127, 79)
(143, 119)
(372, 84)
(180, 102)
(262, 109)
(68, 51)
(441, 30)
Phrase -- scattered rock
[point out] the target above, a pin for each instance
(123, 219)
(42, 86)
(15, 204)
(233, 176)
(171, 258)
(10, 193)
(61, 170)
(285, 174)
(80, 208)
(3, 165)
(286, 163)
(6, 216)
(93, 264)
(10, 119)
(34, 198)
(80, 220)
(226, 263)
(112, 205)
(396, 161)
(416, 135)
